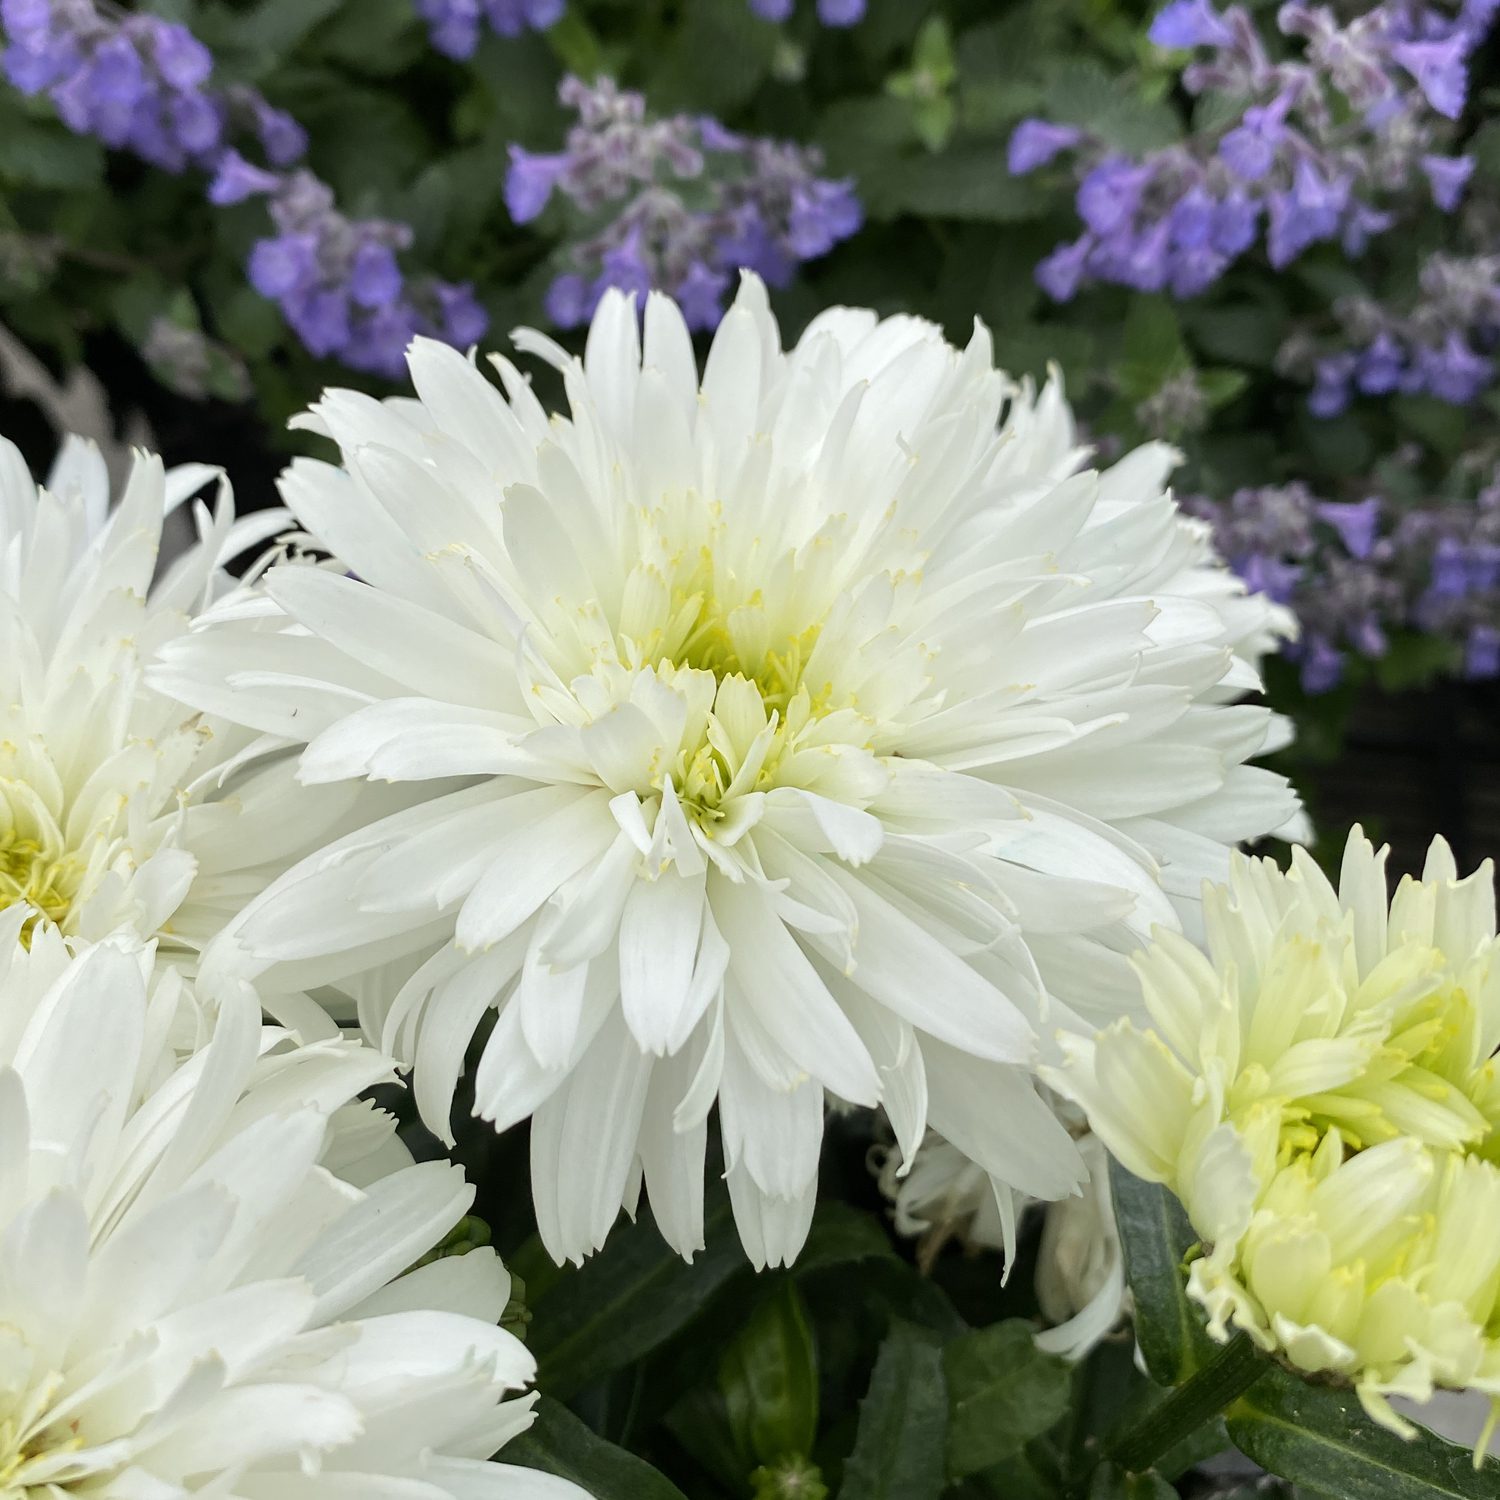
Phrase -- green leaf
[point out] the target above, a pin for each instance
(1154, 350)
(558, 1443)
(1004, 1392)
(840, 1234)
(968, 182)
(632, 1296)
(1319, 1437)
(1084, 93)
(1156, 1235)
(769, 1379)
(47, 156)
(899, 1445)
(1220, 387)
(1110, 1483)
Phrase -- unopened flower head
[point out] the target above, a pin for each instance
(204, 1278)
(1321, 1092)
(114, 804)
(809, 729)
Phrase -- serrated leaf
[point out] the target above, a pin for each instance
(1003, 1392)
(1156, 1235)
(769, 1380)
(558, 1443)
(1320, 1437)
(899, 1445)
(635, 1294)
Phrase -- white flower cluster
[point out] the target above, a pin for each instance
(817, 730)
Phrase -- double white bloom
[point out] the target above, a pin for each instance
(1321, 1091)
(813, 729)
(118, 808)
(204, 1282)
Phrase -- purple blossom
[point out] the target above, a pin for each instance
(1033, 143)
(1355, 521)
(1061, 273)
(236, 179)
(454, 26)
(835, 13)
(757, 204)
(1110, 193)
(1190, 23)
(1440, 69)
(1448, 177)
(1453, 372)
(1381, 365)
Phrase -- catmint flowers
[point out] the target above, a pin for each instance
(829, 12)
(337, 280)
(677, 204)
(1442, 346)
(145, 85)
(1355, 573)
(1327, 147)
(454, 26)
(139, 84)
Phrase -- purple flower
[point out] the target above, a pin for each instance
(1482, 653)
(822, 213)
(529, 182)
(321, 319)
(1440, 69)
(375, 278)
(1033, 143)
(196, 122)
(1453, 372)
(775, 11)
(1195, 269)
(1060, 273)
(1190, 23)
(181, 59)
(22, 18)
(700, 295)
(1249, 150)
(625, 268)
(1236, 223)
(281, 265)
(1310, 212)
(1330, 392)
(1381, 366)
(841, 12)
(236, 179)
(1356, 523)
(116, 74)
(1322, 665)
(1271, 576)
(464, 321)
(1110, 193)
(1447, 176)
(282, 138)
(568, 302)
(1362, 224)
(1450, 569)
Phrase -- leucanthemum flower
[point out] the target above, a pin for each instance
(118, 809)
(811, 729)
(204, 1266)
(1080, 1269)
(1321, 1091)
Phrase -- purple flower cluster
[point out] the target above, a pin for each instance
(144, 85)
(337, 280)
(1327, 147)
(1442, 347)
(1355, 573)
(685, 204)
(455, 25)
(830, 12)
(139, 84)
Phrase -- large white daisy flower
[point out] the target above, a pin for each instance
(114, 811)
(204, 1282)
(803, 731)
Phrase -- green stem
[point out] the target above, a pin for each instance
(1231, 1372)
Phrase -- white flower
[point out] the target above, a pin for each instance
(797, 733)
(113, 812)
(201, 1266)
(1080, 1270)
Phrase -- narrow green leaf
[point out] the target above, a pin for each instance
(1004, 1392)
(558, 1443)
(1321, 1438)
(898, 1449)
(769, 1379)
(635, 1294)
(1156, 1236)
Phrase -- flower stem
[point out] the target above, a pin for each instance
(1231, 1372)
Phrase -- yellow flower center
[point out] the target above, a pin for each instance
(42, 876)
